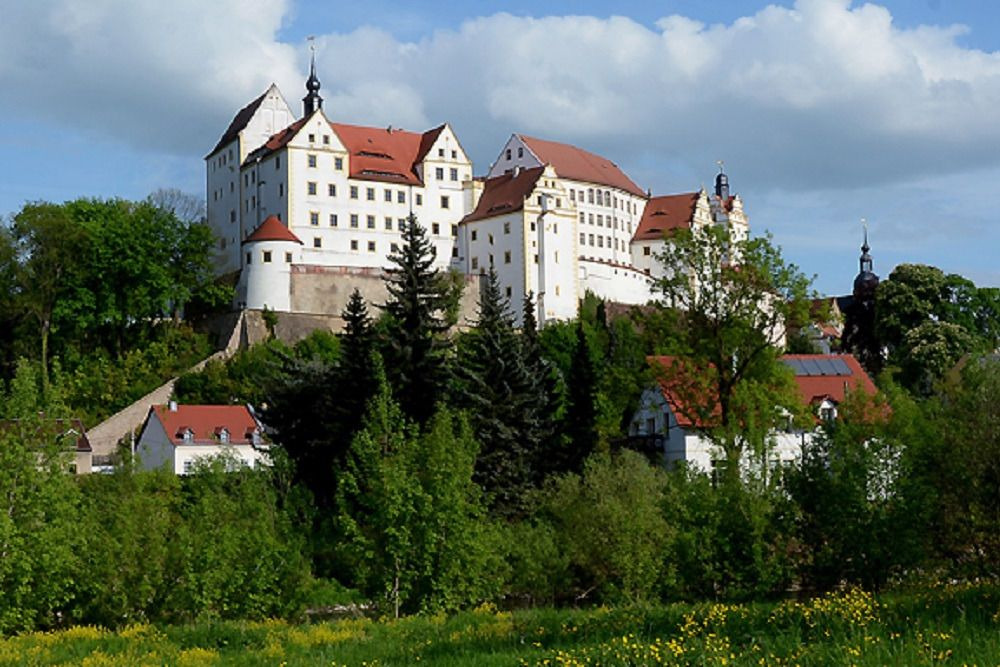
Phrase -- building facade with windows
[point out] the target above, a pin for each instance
(552, 219)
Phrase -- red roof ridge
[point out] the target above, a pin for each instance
(276, 141)
(206, 422)
(272, 229)
(578, 164)
(505, 193)
(666, 212)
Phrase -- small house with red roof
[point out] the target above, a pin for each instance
(678, 429)
(177, 436)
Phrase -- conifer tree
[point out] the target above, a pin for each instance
(415, 345)
(355, 377)
(544, 388)
(580, 421)
(497, 389)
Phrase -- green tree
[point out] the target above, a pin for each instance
(580, 419)
(414, 346)
(733, 300)
(494, 384)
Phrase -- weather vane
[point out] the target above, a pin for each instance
(722, 164)
(312, 42)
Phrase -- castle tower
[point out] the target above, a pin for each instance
(268, 255)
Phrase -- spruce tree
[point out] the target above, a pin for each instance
(355, 377)
(544, 387)
(580, 421)
(415, 344)
(497, 389)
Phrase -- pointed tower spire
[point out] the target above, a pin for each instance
(312, 101)
(866, 259)
(722, 183)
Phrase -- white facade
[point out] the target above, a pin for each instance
(266, 279)
(156, 449)
(253, 125)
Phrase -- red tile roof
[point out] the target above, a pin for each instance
(834, 387)
(206, 423)
(385, 154)
(580, 165)
(276, 141)
(665, 213)
(272, 229)
(505, 194)
(686, 382)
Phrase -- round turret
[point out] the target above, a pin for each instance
(268, 255)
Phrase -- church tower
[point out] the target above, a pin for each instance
(859, 316)
(312, 101)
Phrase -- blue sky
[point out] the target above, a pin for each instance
(825, 111)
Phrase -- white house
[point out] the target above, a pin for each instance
(823, 381)
(175, 436)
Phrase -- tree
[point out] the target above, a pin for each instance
(414, 344)
(495, 386)
(580, 419)
(187, 208)
(734, 300)
(49, 245)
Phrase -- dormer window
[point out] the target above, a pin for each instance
(224, 435)
(186, 434)
(827, 414)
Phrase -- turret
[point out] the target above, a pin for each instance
(312, 101)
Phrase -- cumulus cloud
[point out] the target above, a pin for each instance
(822, 93)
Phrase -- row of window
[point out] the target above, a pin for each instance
(602, 198)
(507, 259)
(389, 223)
(266, 257)
(474, 234)
(600, 221)
(312, 160)
(588, 239)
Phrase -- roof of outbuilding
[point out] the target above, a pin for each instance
(272, 229)
(206, 423)
(580, 165)
(664, 213)
(505, 194)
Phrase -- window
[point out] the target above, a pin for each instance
(474, 234)
(354, 220)
(583, 239)
(454, 251)
(188, 465)
(600, 198)
(590, 218)
(420, 199)
(248, 258)
(331, 190)
(827, 414)
(590, 239)
(338, 163)
(281, 189)
(224, 435)
(454, 174)
(288, 258)
(439, 173)
(572, 195)
(491, 260)
(590, 195)
(401, 197)
(401, 224)
(557, 290)
(388, 196)
(509, 292)
(506, 256)
(394, 247)
(490, 238)
(555, 227)
(326, 139)
(370, 194)
(435, 228)
(314, 218)
(354, 244)
(536, 258)
(583, 218)
(277, 163)
(388, 224)
(311, 187)
(232, 215)
(333, 219)
(600, 220)
(454, 155)
(370, 221)
(371, 246)
(444, 201)
(508, 154)
(312, 138)
(317, 242)
(475, 263)
(440, 152)
(311, 160)
(556, 257)
(506, 228)
(520, 151)
(354, 192)
(532, 225)
(454, 231)
(646, 250)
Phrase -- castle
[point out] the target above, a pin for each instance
(300, 205)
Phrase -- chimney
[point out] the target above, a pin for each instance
(517, 170)
(172, 406)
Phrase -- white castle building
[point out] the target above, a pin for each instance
(291, 197)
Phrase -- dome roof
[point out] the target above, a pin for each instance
(272, 229)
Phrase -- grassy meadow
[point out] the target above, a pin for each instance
(953, 625)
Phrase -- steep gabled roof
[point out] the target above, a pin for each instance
(505, 193)
(239, 122)
(665, 213)
(386, 154)
(272, 229)
(206, 422)
(580, 165)
(276, 141)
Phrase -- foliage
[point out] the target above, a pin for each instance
(610, 525)
(734, 300)
(414, 345)
(40, 535)
(411, 515)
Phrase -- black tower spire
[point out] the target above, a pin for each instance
(312, 101)
(867, 281)
(722, 184)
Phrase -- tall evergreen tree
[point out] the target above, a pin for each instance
(355, 378)
(415, 345)
(544, 385)
(580, 421)
(498, 390)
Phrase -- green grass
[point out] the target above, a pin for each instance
(957, 625)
